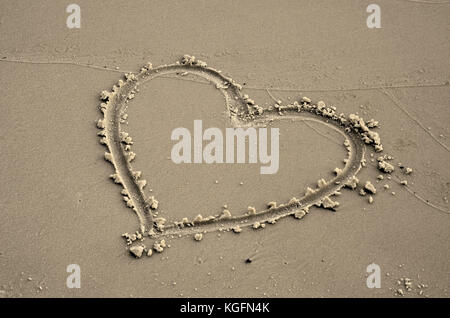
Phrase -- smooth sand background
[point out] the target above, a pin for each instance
(58, 206)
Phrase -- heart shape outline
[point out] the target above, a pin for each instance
(242, 111)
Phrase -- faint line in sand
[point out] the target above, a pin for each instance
(63, 63)
(402, 107)
(407, 188)
(280, 89)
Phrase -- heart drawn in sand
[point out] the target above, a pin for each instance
(242, 112)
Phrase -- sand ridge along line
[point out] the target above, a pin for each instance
(242, 112)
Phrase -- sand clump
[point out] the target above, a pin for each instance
(338, 171)
(153, 203)
(352, 183)
(130, 238)
(258, 225)
(301, 214)
(327, 203)
(198, 219)
(251, 210)
(385, 166)
(237, 229)
(407, 286)
(370, 187)
(159, 246)
(137, 250)
(226, 214)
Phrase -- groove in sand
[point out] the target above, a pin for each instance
(242, 111)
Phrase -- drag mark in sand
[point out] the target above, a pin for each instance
(404, 110)
(242, 112)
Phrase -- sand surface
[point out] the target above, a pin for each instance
(59, 207)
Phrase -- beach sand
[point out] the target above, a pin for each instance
(60, 207)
